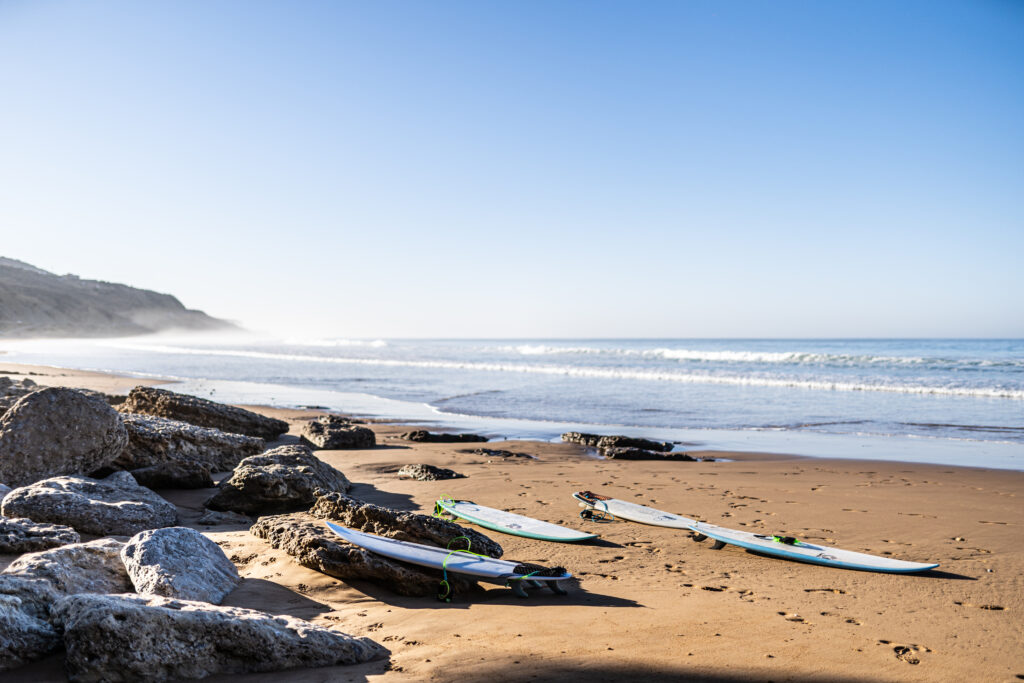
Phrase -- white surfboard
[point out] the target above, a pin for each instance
(487, 568)
(511, 523)
(632, 511)
(803, 551)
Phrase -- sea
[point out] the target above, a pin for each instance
(943, 401)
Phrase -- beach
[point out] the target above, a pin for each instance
(649, 603)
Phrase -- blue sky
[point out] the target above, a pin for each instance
(535, 169)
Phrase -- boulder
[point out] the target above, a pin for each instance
(215, 518)
(495, 453)
(313, 545)
(616, 441)
(428, 473)
(93, 567)
(115, 506)
(11, 391)
(19, 535)
(423, 436)
(158, 440)
(115, 638)
(332, 432)
(201, 412)
(178, 562)
(23, 637)
(281, 480)
(404, 526)
(36, 595)
(642, 454)
(175, 475)
(57, 431)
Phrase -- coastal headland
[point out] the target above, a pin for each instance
(649, 603)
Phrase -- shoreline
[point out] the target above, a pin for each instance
(647, 602)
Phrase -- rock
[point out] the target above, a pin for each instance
(423, 436)
(115, 506)
(93, 567)
(175, 475)
(214, 518)
(428, 473)
(57, 431)
(332, 433)
(11, 391)
(604, 442)
(313, 545)
(115, 638)
(35, 594)
(178, 562)
(23, 637)
(641, 454)
(158, 440)
(494, 453)
(404, 526)
(281, 480)
(201, 412)
(20, 535)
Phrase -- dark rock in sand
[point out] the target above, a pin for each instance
(423, 436)
(428, 473)
(175, 475)
(495, 453)
(201, 412)
(57, 431)
(93, 567)
(178, 562)
(332, 432)
(616, 441)
(313, 545)
(18, 535)
(404, 526)
(216, 518)
(23, 637)
(158, 440)
(641, 454)
(121, 638)
(115, 506)
(281, 480)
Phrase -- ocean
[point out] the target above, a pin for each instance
(927, 400)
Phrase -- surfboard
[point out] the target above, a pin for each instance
(511, 523)
(804, 551)
(484, 568)
(632, 511)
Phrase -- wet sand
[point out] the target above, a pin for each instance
(651, 604)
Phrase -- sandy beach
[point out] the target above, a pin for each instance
(650, 603)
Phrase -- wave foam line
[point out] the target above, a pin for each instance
(600, 373)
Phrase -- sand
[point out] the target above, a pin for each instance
(651, 604)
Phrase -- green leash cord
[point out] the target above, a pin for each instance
(591, 513)
(444, 593)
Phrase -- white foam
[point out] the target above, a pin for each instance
(374, 343)
(601, 373)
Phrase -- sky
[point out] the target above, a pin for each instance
(527, 169)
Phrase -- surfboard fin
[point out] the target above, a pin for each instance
(517, 588)
(718, 545)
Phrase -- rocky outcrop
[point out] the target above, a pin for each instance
(423, 436)
(178, 562)
(201, 412)
(18, 535)
(115, 506)
(93, 567)
(57, 431)
(496, 453)
(332, 432)
(312, 545)
(115, 638)
(616, 441)
(642, 454)
(11, 391)
(281, 480)
(23, 637)
(428, 473)
(216, 518)
(159, 440)
(175, 475)
(404, 526)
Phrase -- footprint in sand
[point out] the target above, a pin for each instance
(837, 591)
(991, 608)
(854, 622)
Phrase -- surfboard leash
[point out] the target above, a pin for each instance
(444, 590)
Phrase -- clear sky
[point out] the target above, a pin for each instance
(534, 169)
